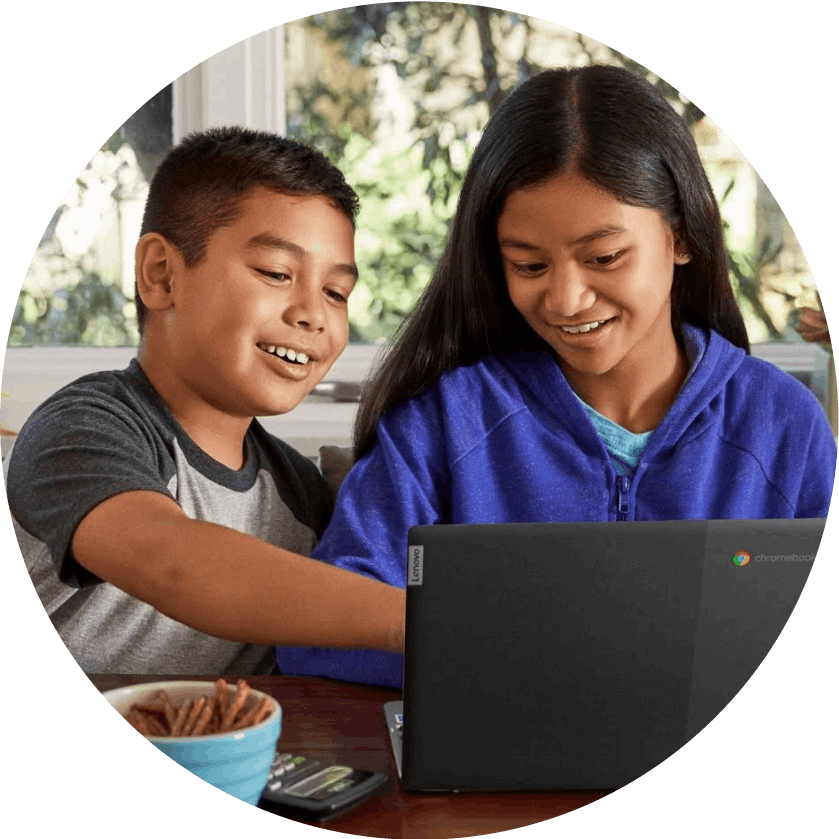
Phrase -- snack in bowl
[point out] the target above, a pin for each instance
(212, 714)
(224, 734)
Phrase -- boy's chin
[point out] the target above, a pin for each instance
(274, 409)
(282, 403)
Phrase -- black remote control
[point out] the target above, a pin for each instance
(309, 789)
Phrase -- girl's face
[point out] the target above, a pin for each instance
(591, 276)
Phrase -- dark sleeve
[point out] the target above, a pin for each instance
(73, 453)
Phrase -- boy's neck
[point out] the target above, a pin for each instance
(217, 433)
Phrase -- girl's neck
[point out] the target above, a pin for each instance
(638, 392)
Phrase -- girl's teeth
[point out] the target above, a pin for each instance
(573, 330)
(291, 355)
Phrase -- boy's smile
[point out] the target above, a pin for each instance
(256, 324)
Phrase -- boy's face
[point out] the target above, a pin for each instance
(274, 283)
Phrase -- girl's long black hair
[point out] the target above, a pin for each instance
(619, 132)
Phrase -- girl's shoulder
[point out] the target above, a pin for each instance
(759, 380)
(465, 404)
(753, 384)
(499, 381)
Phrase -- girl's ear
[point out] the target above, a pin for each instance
(681, 253)
(155, 264)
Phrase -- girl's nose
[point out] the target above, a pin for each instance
(569, 293)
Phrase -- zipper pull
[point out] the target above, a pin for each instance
(623, 500)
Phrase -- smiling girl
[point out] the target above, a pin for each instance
(579, 354)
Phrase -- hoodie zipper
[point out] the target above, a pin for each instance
(623, 498)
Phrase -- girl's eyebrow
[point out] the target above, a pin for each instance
(600, 233)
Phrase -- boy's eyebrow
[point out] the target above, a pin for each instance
(600, 233)
(267, 241)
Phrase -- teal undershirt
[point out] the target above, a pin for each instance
(624, 447)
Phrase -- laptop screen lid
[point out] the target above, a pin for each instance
(579, 656)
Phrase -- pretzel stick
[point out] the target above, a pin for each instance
(193, 715)
(218, 716)
(238, 703)
(150, 707)
(204, 719)
(266, 712)
(180, 719)
(139, 722)
(223, 694)
(251, 716)
(155, 726)
(168, 710)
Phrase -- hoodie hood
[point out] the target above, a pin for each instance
(698, 404)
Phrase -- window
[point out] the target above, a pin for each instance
(396, 95)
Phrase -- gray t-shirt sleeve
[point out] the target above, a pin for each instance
(72, 455)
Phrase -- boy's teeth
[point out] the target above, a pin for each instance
(289, 355)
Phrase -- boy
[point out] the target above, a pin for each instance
(160, 523)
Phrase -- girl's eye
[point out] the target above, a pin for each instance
(606, 259)
(529, 269)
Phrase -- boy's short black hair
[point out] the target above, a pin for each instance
(198, 186)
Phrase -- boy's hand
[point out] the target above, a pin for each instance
(232, 585)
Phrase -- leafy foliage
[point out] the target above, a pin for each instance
(75, 293)
(90, 312)
(453, 65)
(398, 102)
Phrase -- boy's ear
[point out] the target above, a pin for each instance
(156, 261)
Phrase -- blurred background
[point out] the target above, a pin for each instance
(396, 95)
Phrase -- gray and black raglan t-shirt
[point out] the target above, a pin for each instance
(109, 433)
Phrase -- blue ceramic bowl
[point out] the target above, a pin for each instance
(237, 762)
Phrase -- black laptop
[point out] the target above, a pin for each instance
(579, 656)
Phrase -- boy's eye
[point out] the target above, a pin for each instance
(336, 295)
(277, 276)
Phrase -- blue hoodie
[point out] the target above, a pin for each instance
(506, 440)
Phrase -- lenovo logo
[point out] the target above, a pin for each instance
(415, 565)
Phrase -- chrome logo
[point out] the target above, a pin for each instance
(741, 558)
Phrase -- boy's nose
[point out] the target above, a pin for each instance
(568, 293)
(306, 310)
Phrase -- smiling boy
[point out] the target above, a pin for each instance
(162, 526)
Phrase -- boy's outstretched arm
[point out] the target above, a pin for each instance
(231, 585)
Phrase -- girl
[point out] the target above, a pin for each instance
(579, 354)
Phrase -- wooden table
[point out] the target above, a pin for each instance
(343, 723)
